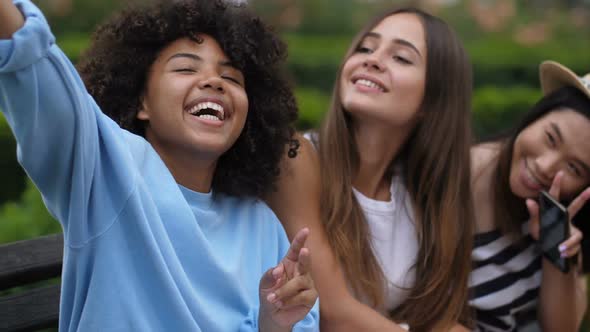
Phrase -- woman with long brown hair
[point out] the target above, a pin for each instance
(387, 196)
(513, 285)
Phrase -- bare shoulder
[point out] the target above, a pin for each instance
(483, 155)
(306, 162)
(296, 198)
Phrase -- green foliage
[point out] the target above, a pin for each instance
(73, 44)
(78, 15)
(311, 50)
(313, 104)
(26, 218)
(500, 61)
(314, 60)
(497, 109)
(12, 176)
(4, 129)
(326, 16)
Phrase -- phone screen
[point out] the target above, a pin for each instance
(554, 229)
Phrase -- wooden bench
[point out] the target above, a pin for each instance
(24, 263)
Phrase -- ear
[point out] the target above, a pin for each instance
(143, 113)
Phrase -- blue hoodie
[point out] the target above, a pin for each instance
(142, 253)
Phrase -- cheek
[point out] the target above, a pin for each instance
(513, 177)
(411, 83)
(241, 102)
(163, 93)
(348, 68)
(408, 88)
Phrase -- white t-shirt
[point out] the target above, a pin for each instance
(394, 240)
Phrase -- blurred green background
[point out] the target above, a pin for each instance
(505, 39)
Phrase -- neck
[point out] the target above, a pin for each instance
(378, 147)
(196, 175)
(190, 169)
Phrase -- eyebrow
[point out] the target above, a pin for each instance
(399, 41)
(224, 63)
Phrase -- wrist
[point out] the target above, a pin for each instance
(267, 324)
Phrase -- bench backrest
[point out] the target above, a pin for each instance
(21, 264)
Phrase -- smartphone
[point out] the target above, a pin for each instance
(555, 229)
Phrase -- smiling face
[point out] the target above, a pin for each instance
(559, 141)
(384, 78)
(195, 103)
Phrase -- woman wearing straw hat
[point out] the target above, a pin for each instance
(512, 284)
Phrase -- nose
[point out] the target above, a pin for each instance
(373, 61)
(547, 165)
(211, 81)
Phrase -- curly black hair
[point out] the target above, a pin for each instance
(115, 70)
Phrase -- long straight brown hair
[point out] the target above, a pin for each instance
(436, 169)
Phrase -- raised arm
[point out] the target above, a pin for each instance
(11, 19)
(297, 204)
(72, 151)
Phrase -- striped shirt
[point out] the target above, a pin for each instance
(505, 281)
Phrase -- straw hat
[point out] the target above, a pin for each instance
(554, 76)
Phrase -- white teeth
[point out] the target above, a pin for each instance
(369, 84)
(209, 117)
(211, 105)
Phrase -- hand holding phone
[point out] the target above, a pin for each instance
(553, 211)
(555, 229)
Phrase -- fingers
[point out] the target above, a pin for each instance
(571, 246)
(533, 208)
(577, 204)
(304, 262)
(291, 289)
(297, 244)
(272, 277)
(305, 298)
(555, 189)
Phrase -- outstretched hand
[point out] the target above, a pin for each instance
(572, 245)
(287, 291)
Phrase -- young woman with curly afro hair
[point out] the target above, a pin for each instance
(154, 158)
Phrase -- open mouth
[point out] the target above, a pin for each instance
(208, 111)
(369, 83)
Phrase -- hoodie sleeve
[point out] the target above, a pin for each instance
(74, 153)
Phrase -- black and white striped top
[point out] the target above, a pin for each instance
(505, 281)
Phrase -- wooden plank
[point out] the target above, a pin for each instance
(30, 260)
(30, 311)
